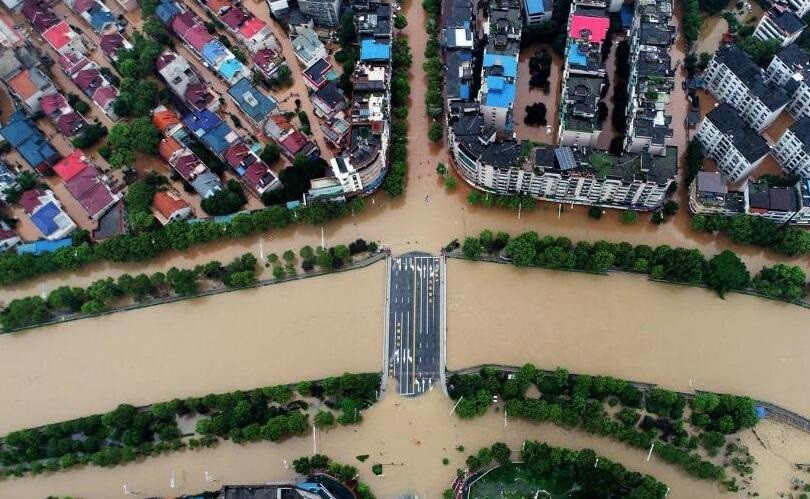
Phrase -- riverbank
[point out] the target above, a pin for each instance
(624, 326)
(263, 336)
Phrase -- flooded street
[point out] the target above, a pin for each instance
(628, 327)
(527, 96)
(286, 333)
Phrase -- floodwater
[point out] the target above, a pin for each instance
(413, 434)
(527, 96)
(625, 326)
(286, 333)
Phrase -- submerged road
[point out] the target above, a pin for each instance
(415, 322)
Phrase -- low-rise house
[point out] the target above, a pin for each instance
(46, 212)
(253, 171)
(185, 82)
(268, 61)
(256, 35)
(87, 75)
(63, 39)
(85, 184)
(781, 24)
(335, 129)
(308, 48)
(328, 100)
(40, 15)
(111, 43)
(318, 74)
(255, 104)
(214, 133)
(10, 36)
(8, 237)
(63, 116)
(166, 11)
(30, 142)
(296, 143)
(709, 193)
(29, 86)
(170, 208)
(780, 205)
(8, 180)
(95, 13)
(189, 167)
(374, 50)
(166, 121)
(736, 147)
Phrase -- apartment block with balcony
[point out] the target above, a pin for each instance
(732, 77)
(500, 67)
(792, 150)
(781, 24)
(788, 62)
(799, 7)
(736, 147)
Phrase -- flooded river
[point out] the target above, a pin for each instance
(628, 327)
(245, 339)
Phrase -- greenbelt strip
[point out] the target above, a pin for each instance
(127, 433)
(671, 425)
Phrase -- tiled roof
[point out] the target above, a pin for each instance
(110, 43)
(70, 123)
(52, 103)
(71, 166)
(237, 154)
(166, 204)
(234, 18)
(59, 35)
(164, 59)
(164, 118)
(89, 80)
(105, 95)
(251, 27)
(22, 84)
(39, 14)
(30, 200)
(197, 36)
(167, 147)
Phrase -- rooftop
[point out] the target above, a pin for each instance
(741, 64)
(375, 50)
(746, 140)
(786, 20)
(253, 102)
(587, 27)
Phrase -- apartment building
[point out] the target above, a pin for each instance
(324, 12)
(780, 23)
(732, 77)
(537, 11)
(792, 150)
(790, 69)
(735, 146)
(500, 67)
(799, 7)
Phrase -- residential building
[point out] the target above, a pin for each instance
(192, 31)
(40, 15)
(268, 61)
(308, 48)
(335, 129)
(733, 77)
(185, 82)
(709, 193)
(788, 62)
(85, 184)
(8, 237)
(564, 174)
(458, 35)
(96, 14)
(291, 141)
(30, 142)
(10, 36)
(255, 104)
(362, 168)
(375, 50)
(792, 150)
(328, 100)
(253, 172)
(62, 115)
(736, 147)
(780, 23)
(111, 43)
(323, 12)
(46, 212)
(375, 23)
(170, 208)
(781, 205)
(318, 74)
(799, 7)
(166, 10)
(86, 74)
(537, 11)
(214, 133)
(8, 180)
(29, 86)
(279, 9)
(189, 167)
(63, 39)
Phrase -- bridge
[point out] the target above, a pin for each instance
(415, 322)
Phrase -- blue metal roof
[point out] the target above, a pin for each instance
(508, 63)
(535, 7)
(230, 68)
(464, 91)
(626, 15)
(217, 139)
(18, 129)
(43, 218)
(201, 121)
(500, 93)
(36, 151)
(575, 56)
(39, 247)
(213, 51)
(28, 140)
(166, 10)
(99, 19)
(253, 102)
(374, 50)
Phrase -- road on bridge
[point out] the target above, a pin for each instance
(415, 321)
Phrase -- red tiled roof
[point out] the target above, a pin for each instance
(294, 142)
(199, 95)
(52, 103)
(105, 95)
(164, 59)
(264, 57)
(81, 6)
(90, 191)
(167, 147)
(164, 119)
(7, 234)
(71, 165)
(593, 28)
(71, 62)
(110, 43)
(218, 5)
(184, 22)
(186, 165)
(281, 121)
(198, 36)
(258, 175)
(58, 36)
(236, 154)
(22, 84)
(39, 14)
(30, 200)
(234, 18)
(166, 204)
(88, 80)
(251, 27)
(70, 123)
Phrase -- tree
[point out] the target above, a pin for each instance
(323, 419)
(90, 136)
(450, 182)
(184, 281)
(629, 217)
(435, 131)
(278, 272)
(501, 453)
(66, 298)
(535, 114)
(227, 201)
(270, 154)
(670, 208)
(727, 272)
(307, 252)
(24, 312)
(400, 22)
(595, 212)
(472, 247)
(288, 256)
(522, 249)
(342, 252)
